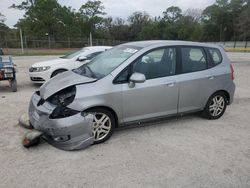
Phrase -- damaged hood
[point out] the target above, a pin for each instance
(62, 81)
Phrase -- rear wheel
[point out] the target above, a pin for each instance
(216, 106)
(103, 124)
(13, 85)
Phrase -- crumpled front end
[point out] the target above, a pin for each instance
(63, 128)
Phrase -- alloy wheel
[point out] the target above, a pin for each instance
(217, 106)
(101, 126)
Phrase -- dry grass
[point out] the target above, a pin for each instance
(237, 49)
(37, 51)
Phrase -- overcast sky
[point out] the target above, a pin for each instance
(114, 8)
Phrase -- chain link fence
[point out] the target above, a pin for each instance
(240, 46)
(34, 46)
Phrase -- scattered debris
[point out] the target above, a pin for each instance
(31, 138)
(24, 121)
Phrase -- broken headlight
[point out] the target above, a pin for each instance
(62, 112)
(64, 97)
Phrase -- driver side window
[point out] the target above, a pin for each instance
(154, 64)
(157, 63)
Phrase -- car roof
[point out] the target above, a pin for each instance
(97, 47)
(144, 44)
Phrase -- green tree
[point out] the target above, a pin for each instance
(46, 16)
(195, 14)
(220, 20)
(2, 18)
(119, 30)
(216, 22)
(5, 31)
(243, 25)
(92, 12)
(136, 23)
(25, 5)
(189, 29)
(172, 14)
(151, 31)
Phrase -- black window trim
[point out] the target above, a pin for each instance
(211, 61)
(190, 46)
(130, 65)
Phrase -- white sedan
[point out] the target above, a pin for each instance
(43, 71)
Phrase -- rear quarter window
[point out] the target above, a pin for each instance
(215, 55)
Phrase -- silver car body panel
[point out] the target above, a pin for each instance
(137, 102)
(154, 98)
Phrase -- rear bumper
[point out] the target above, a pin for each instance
(231, 90)
(70, 133)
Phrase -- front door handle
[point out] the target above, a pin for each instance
(170, 83)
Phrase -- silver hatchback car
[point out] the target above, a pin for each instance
(132, 83)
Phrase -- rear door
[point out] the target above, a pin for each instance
(194, 79)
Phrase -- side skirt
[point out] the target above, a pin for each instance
(158, 119)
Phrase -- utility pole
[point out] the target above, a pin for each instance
(47, 34)
(21, 38)
(90, 39)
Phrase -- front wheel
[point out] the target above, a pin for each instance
(216, 106)
(13, 85)
(103, 124)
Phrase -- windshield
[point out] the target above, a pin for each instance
(106, 62)
(73, 54)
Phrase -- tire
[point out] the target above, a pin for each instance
(101, 134)
(13, 85)
(215, 106)
(57, 72)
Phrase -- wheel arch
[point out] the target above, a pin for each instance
(107, 108)
(58, 69)
(225, 92)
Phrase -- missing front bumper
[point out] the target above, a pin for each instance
(70, 133)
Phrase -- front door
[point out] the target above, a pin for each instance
(158, 95)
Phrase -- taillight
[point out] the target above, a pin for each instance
(232, 72)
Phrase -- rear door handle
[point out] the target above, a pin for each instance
(210, 77)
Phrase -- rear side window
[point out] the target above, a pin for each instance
(215, 55)
(193, 59)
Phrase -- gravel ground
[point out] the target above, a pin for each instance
(180, 152)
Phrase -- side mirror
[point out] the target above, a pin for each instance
(136, 78)
(81, 58)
